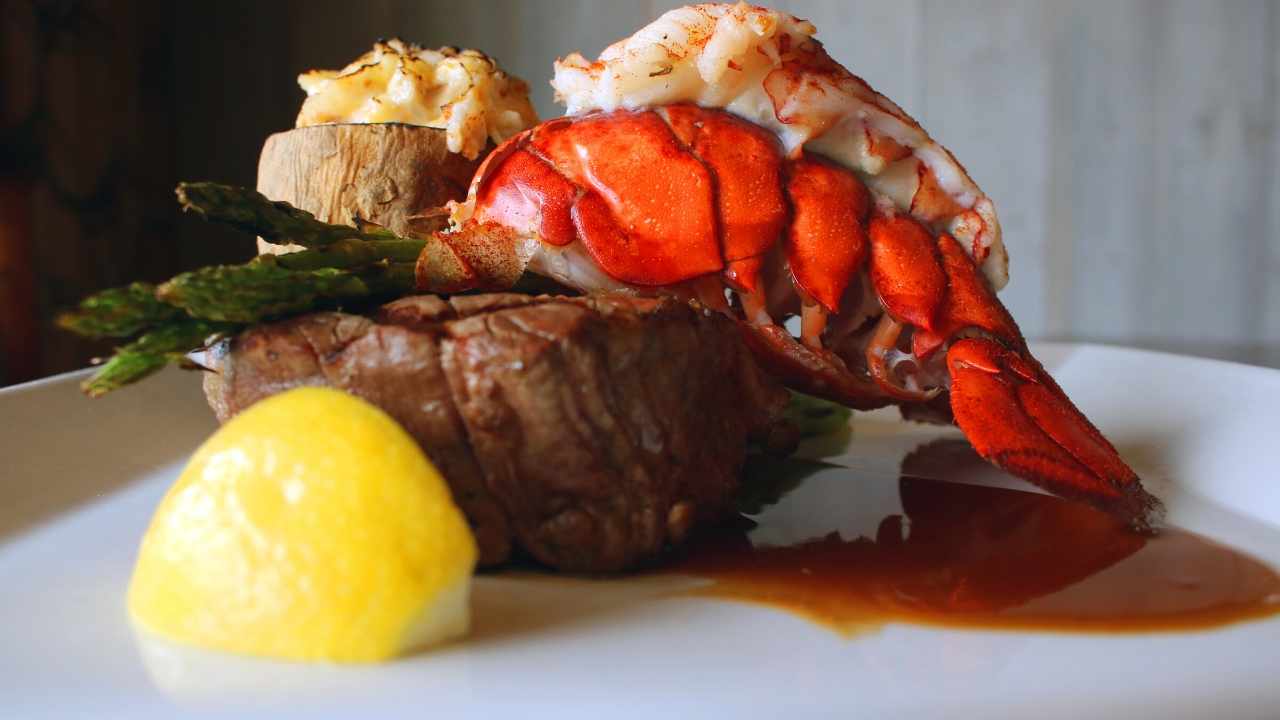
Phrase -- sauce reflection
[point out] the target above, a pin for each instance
(976, 556)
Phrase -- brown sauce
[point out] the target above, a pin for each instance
(984, 557)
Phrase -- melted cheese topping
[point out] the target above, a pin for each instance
(765, 66)
(462, 92)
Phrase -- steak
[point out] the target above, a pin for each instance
(587, 432)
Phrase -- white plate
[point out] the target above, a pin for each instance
(80, 479)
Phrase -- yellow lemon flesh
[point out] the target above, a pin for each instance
(309, 527)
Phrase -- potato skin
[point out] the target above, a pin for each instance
(398, 176)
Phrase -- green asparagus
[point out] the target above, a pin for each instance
(257, 291)
(119, 312)
(276, 222)
(348, 253)
(342, 264)
(151, 352)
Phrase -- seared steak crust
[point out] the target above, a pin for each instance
(591, 432)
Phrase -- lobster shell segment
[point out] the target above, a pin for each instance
(969, 303)
(647, 215)
(524, 193)
(906, 271)
(827, 240)
(1017, 417)
(746, 161)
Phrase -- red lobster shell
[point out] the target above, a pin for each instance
(892, 268)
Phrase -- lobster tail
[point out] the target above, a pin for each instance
(721, 155)
(1017, 417)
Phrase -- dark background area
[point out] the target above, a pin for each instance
(104, 107)
(1131, 146)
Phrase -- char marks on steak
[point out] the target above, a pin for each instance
(589, 431)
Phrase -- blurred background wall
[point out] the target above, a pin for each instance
(1132, 147)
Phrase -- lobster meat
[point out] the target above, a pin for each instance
(721, 155)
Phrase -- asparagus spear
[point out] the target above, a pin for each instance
(345, 247)
(342, 263)
(265, 286)
(349, 253)
(219, 299)
(277, 222)
(259, 290)
(119, 312)
(151, 352)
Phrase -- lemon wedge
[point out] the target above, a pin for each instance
(309, 527)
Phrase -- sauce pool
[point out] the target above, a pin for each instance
(984, 557)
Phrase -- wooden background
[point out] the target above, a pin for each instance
(1132, 147)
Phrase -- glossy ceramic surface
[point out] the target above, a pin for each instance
(80, 479)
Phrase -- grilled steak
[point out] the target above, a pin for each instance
(589, 432)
